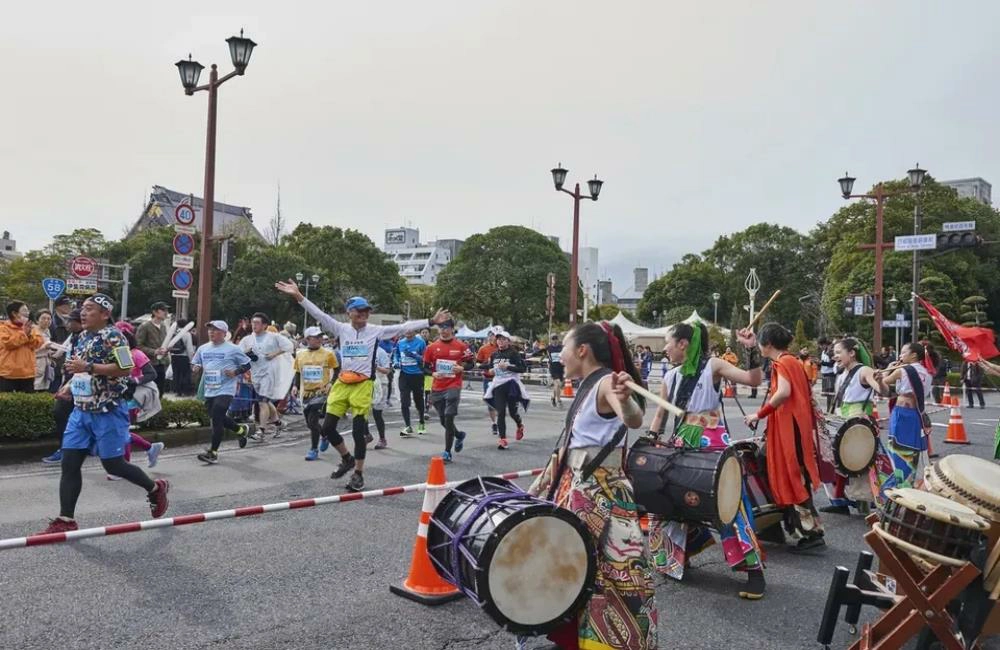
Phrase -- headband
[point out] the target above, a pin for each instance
(102, 301)
(617, 360)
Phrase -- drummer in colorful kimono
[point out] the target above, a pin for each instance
(693, 385)
(897, 467)
(587, 478)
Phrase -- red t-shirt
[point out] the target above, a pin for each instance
(443, 356)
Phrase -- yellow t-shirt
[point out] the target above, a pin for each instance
(315, 368)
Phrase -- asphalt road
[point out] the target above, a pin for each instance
(319, 578)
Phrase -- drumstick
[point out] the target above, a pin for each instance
(763, 309)
(653, 397)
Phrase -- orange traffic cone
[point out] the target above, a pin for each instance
(875, 416)
(644, 523)
(567, 389)
(946, 395)
(730, 390)
(423, 584)
(956, 428)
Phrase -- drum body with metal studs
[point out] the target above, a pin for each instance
(528, 563)
(752, 456)
(938, 529)
(854, 446)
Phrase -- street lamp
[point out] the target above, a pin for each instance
(655, 317)
(407, 303)
(715, 299)
(240, 49)
(299, 277)
(752, 285)
(879, 196)
(594, 185)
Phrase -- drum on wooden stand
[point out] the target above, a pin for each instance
(928, 525)
(855, 446)
(682, 484)
(752, 457)
(529, 564)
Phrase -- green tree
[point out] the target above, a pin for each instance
(249, 287)
(716, 340)
(607, 312)
(150, 256)
(801, 340)
(677, 314)
(501, 275)
(974, 310)
(422, 300)
(21, 278)
(82, 241)
(691, 281)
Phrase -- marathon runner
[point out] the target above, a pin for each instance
(482, 361)
(556, 372)
(409, 358)
(446, 359)
(315, 369)
(220, 363)
(263, 348)
(506, 390)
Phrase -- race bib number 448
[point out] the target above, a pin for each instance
(354, 350)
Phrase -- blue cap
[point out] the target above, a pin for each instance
(357, 302)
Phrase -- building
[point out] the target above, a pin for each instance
(226, 219)
(630, 298)
(419, 263)
(8, 247)
(605, 293)
(972, 188)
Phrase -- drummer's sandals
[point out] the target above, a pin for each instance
(835, 510)
(754, 589)
(809, 542)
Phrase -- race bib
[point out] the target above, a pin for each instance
(445, 366)
(312, 374)
(407, 361)
(354, 350)
(213, 378)
(555, 357)
(500, 372)
(82, 387)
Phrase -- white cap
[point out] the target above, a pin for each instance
(313, 331)
(504, 333)
(497, 330)
(218, 325)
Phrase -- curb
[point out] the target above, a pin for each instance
(18, 452)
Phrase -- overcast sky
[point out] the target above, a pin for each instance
(449, 115)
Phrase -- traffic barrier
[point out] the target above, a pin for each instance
(151, 524)
(567, 388)
(956, 428)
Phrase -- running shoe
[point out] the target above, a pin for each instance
(357, 483)
(112, 477)
(446, 456)
(520, 432)
(209, 456)
(459, 441)
(553, 402)
(313, 454)
(406, 432)
(369, 438)
(346, 465)
(153, 454)
(158, 500)
(242, 431)
(59, 525)
(257, 436)
(382, 444)
(278, 427)
(496, 431)
(502, 443)
(421, 429)
(324, 444)
(54, 459)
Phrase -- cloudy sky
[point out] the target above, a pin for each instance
(448, 115)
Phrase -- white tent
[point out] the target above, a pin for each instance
(465, 333)
(634, 331)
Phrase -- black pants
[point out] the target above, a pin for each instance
(61, 411)
(182, 374)
(218, 410)
(977, 388)
(17, 385)
(161, 378)
(379, 422)
(504, 404)
(359, 427)
(411, 386)
(71, 481)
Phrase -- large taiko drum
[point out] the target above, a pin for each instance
(854, 446)
(937, 529)
(682, 484)
(753, 457)
(529, 564)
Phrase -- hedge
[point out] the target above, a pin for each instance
(28, 416)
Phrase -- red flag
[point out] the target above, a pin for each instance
(973, 343)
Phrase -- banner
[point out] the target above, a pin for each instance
(973, 343)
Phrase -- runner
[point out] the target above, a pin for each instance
(556, 372)
(694, 385)
(222, 363)
(506, 390)
(264, 347)
(482, 360)
(409, 357)
(588, 479)
(791, 454)
(315, 369)
(425, 336)
(354, 387)
(99, 367)
(380, 400)
(446, 359)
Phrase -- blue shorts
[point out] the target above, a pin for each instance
(103, 433)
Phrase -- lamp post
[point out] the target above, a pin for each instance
(407, 303)
(879, 196)
(240, 49)
(594, 185)
(752, 285)
(656, 318)
(315, 280)
(715, 299)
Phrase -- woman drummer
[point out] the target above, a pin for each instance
(854, 389)
(791, 453)
(693, 385)
(897, 467)
(621, 613)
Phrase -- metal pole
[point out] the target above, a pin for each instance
(305, 314)
(877, 325)
(575, 256)
(914, 328)
(125, 277)
(207, 214)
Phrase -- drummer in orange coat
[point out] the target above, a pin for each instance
(791, 452)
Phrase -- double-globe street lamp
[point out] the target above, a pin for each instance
(594, 185)
(240, 49)
(879, 196)
(299, 277)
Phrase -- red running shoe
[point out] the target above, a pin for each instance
(502, 443)
(158, 499)
(58, 525)
(520, 432)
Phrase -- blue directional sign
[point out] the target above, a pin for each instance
(53, 287)
(182, 279)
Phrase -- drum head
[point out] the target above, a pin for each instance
(974, 481)
(855, 446)
(538, 572)
(937, 507)
(730, 489)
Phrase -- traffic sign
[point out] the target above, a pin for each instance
(184, 261)
(956, 226)
(182, 279)
(183, 244)
(859, 305)
(177, 293)
(897, 324)
(78, 286)
(53, 287)
(184, 214)
(82, 267)
(916, 243)
(189, 230)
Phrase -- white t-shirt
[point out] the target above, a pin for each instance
(262, 345)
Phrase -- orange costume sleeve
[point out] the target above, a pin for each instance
(786, 470)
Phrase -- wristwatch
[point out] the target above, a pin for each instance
(90, 367)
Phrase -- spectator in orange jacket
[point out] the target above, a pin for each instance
(808, 366)
(19, 339)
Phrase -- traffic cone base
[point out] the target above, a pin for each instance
(423, 584)
(956, 428)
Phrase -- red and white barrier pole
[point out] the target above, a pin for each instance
(182, 520)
